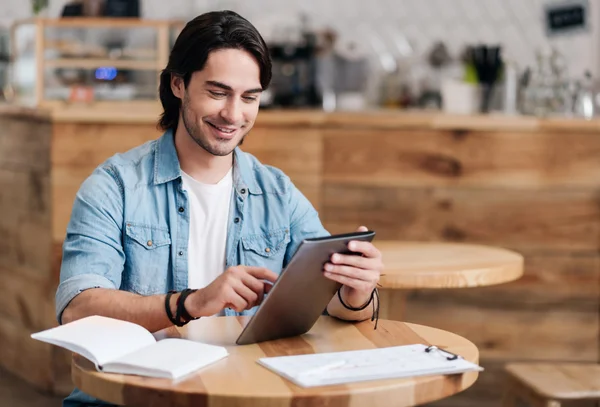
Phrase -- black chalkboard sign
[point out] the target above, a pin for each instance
(122, 8)
(567, 16)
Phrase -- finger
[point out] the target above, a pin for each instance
(369, 276)
(362, 229)
(355, 261)
(267, 287)
(261, 273)
(365, 248)
(236, 302)
(254, 284)
(250, 297)
(359, 285)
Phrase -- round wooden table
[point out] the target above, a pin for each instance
(433, 265)
(239, 381)
(417, 265)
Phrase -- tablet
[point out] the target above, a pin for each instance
(301, 293)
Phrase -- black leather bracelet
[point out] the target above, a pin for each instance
(168, 307)
(375, 316)
(182, 315)
(339, 293)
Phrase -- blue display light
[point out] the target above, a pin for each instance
(106, 73)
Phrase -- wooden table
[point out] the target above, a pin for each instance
(239, 381)
(423, 265)
(416, 265)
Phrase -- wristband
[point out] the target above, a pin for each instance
(375, 316)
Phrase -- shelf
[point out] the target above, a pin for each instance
(152, 59)
(90, 63)
(93, 22)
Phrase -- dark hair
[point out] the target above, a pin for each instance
(208, 32)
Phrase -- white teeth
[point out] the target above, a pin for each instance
(224, 130)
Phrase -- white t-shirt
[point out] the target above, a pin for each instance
(209, 214)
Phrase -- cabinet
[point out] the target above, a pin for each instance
(89, 61)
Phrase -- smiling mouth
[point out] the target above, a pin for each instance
(223, 130)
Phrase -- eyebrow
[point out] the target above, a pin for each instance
(229, 88)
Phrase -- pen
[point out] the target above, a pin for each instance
(323, 368)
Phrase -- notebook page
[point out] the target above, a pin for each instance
(372, 364)
(168, 358)
(102, 338)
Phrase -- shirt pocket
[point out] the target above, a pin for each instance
(266, 250)
(147, 251)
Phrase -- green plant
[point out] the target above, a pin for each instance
(38, 5)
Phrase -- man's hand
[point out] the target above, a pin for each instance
(358, 274)
(239, 288)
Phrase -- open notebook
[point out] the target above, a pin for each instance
(116, 346)
(372, 364)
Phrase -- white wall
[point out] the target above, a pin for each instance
(516, 24)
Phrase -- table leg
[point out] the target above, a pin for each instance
(392, 304)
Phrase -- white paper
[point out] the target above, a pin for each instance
(168, 358)
(362, 365)
(99, 339)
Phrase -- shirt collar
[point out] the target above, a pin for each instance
(244, 174)
(166, 161)
(166, 165)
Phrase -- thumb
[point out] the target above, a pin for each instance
(362, 229)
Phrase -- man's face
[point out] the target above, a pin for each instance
(221, 102)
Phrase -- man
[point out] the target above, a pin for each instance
(190, 212)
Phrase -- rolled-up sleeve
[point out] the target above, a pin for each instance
(93, 254)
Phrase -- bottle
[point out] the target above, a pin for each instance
(510, 88)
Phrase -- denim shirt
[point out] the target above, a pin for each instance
(130, 222)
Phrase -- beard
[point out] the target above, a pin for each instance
(191, 123)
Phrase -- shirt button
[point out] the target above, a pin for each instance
(180, 253)
(267, 250)
(149, 243)
(236, 220)
(243, 191)
(181, 209)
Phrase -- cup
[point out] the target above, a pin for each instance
(460, 97)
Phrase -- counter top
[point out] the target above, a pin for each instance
(368, 119)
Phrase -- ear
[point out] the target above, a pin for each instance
(177, 86)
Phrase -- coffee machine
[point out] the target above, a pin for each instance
(294, 82)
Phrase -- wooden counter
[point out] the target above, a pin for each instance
(522, 183)
(373, 119)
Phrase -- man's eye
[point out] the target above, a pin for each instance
(249, 98)
(218, 94)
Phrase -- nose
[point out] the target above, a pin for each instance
(233, 112)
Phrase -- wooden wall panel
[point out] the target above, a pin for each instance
(24, 197)
(88, 145)
(27, 300)
(421, 158)
(24, 144)
(24, 220)
(515, 333)
(19, 354)
(562, 220)
(26, 284)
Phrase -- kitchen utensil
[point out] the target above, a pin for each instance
(487, 61)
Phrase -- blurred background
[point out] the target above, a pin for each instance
(467, 121)
(346, 55)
